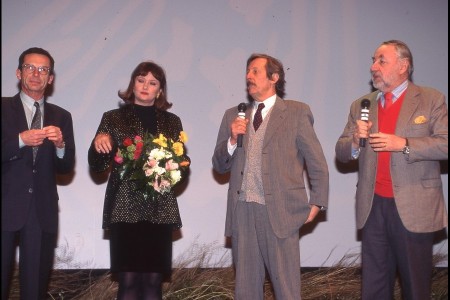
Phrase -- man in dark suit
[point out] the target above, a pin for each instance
(37, 144)
(399, 197)
(267, 198)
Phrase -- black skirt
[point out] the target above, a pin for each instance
(141, 247)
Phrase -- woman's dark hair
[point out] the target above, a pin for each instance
(273, 66)
(142, 70)
(36, 50)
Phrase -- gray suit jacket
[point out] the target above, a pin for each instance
(416, 177)
(290, 144)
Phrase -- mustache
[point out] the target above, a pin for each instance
(375, 73)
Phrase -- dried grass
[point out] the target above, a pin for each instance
(192, 280)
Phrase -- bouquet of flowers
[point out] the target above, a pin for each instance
(154, 162)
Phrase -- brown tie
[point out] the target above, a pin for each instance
(387, 100)
(36, 124)
(257, 119)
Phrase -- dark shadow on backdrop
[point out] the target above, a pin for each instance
(99, 177)
(310, 227)
(66, 179)
(221, 178)
(345, 168)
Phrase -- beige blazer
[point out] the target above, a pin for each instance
(416, 177)
(290, 144)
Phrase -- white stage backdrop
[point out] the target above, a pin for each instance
(326, 48)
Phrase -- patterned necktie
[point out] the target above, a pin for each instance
(387, 100)
(257, 119)
(36, 124)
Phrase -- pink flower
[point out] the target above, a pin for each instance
(171, 165)
(152, 162)
(148, 172)
(156, 185)
(118, 159)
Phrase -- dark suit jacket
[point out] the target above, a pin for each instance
(290, 145)
(20, 179)
(416, 177)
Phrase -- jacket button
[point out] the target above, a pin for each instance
(30, 190)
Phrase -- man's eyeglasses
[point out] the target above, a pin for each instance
(31, 68)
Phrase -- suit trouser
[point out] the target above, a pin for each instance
(388, 245)
(36, 254)
(256, 247)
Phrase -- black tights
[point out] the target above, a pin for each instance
(137, 286)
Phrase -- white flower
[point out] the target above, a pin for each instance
(175, 176)
(159, 170)
(157, 154)
(168, 154)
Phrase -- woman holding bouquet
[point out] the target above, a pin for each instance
(140, 222)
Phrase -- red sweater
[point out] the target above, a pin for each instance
(387, 120)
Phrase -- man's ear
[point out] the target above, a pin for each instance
(18, 74)
(275, 77)
(404, 66)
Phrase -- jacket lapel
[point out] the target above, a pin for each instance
(410, 103)
(276, 120)
(19, 112)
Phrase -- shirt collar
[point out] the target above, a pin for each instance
(268, 103)
(29, 102)
(397, 92)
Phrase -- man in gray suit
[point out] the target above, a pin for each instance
(267, 199)
(399, 197)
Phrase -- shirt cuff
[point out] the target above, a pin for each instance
(60, 152)
(21, 143)
(355, 153)
(230, 147)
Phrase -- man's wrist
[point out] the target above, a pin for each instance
(61, 146)
(322, 208)
(406, 149)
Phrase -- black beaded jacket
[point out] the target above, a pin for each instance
(123, 201)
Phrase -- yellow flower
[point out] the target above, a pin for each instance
(183, 137)
(161, 140)
(177, 147)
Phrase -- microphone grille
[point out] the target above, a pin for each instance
(365, 103)
(242, 107)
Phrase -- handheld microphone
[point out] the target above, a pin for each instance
(241, 114)
(365, 104)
